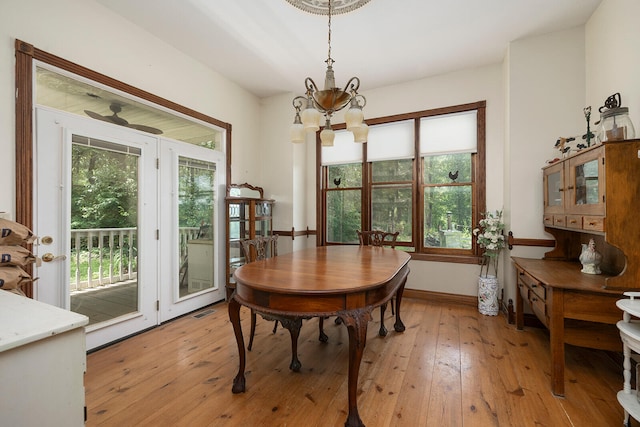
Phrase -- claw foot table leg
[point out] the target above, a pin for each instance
(356, 322)
(234, 316)
(293, 325)
(399, 326)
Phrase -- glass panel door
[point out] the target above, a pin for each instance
(195, 218)
(191, 217)
(95, 213)
(104, 229)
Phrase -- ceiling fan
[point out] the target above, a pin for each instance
(116, 108)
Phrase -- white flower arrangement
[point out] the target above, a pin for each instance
(490, 236)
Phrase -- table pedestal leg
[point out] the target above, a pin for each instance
(293, 325)
(356, 323)
(234, 316)
(399, 326)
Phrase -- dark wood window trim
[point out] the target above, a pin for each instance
(478, 171)
(25, 55)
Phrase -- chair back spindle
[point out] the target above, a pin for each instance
(262, 247)
(377, 238)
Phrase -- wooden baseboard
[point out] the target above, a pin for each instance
(440, 297)
(445, 298)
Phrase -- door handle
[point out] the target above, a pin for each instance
(48, 257)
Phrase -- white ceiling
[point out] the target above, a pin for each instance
(269, 46)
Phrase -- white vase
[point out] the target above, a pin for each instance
(488, 295)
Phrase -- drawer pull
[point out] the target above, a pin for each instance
(558, 220)
(570, 187)
(534, 299)
(592, 223)
(533, 285)
(573, 221)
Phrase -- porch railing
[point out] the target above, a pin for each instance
(106, 256)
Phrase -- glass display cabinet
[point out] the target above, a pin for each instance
(574, 191)
(249, 215)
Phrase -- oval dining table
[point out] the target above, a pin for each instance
(343, 281)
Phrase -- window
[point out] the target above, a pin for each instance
(421, 174)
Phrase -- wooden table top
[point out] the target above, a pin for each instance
(323, 270)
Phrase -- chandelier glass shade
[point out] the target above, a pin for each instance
(316, 103)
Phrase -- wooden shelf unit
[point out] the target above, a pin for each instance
(593, 194)
(249, 215)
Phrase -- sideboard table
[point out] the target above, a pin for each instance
(575, 307)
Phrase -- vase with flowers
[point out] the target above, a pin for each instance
(490, 237)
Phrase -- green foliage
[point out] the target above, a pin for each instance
(344, 215)
(195, 198)
(448, 201)
(104, 189)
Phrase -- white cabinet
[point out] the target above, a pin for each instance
(629, 328)
(42, 363)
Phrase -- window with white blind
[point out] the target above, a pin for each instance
(421, 174)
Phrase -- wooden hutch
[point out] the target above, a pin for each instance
(249, 215)
(592, 194)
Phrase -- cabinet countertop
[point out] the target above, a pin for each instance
(25, 320)
(565, 275)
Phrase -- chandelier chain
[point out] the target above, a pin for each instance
(329, 60)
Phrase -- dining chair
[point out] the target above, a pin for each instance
(379, 238)
(262, 247)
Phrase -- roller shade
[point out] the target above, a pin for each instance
(391, 141)
(449, 133)
(344, 150)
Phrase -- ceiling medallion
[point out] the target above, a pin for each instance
(321, 7)
(315, 103)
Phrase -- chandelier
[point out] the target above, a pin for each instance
(316, 103)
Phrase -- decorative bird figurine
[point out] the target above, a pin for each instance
(336, 181)
(453, 176)
(590, 258)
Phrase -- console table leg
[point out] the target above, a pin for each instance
(556, 338)
(234, 316)
(357, 328)
(399, 326)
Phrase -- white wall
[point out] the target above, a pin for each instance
(88, 34)
(613, 56)
(545, 97)
(550, 80)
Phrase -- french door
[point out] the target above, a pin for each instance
(115, 213)
(192, 249)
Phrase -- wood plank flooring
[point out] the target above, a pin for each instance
(451, 367)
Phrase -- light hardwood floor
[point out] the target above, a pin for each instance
(451, 367)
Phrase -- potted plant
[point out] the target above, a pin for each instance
(490, 237)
